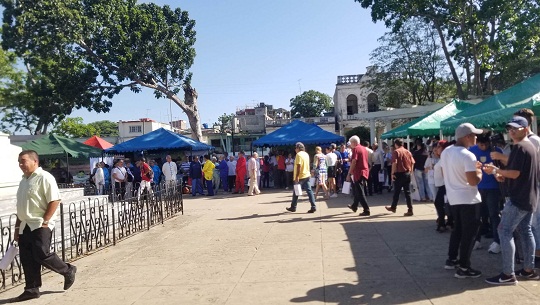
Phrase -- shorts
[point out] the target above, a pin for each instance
(331, 172)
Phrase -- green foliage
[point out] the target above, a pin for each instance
(410, 67)
(105, 128)
(74, 127)
(310, 104)
(360, 131)
(88, 51)
(483, 38)
(225, 122)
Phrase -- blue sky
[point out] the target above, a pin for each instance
(250, 52)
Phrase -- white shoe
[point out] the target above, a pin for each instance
(333, 196)
(477, 245)
(494, 248)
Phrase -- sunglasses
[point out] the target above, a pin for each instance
(513, 129)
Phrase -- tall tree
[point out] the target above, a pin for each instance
(310, 104)
(105, 128)
(74, 127)
(116, 43)
(409, 66)
(483, 37)
(224, 122)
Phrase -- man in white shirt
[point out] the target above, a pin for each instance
(462, 173)
(37, 203)
(331, 159)
(232, 172)
(169, 170)
(253, 168)
(376, 168)
(119, 177)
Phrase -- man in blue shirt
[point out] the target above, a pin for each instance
(195, 172)
(489, 189)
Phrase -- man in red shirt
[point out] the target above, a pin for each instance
(240, 173)
(358, 173)
(402, 168)
(146, 178)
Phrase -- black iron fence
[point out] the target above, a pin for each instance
(88, 225)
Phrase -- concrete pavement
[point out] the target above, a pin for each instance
(233, 249)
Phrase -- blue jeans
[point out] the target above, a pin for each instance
(196, 186)
(209, 187)
(536, 229)
(421, 181)
(491, 198)
(515, 219)
(306, 187)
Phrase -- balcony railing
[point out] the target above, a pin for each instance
(348, 79)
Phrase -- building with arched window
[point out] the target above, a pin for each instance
(356, 103)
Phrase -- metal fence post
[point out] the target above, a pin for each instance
(63, 238)
(113, 225)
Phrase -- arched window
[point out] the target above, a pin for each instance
(352, 104)
(373, 102)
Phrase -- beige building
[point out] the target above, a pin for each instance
(128, 130)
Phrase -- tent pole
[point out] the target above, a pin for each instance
(67, 165)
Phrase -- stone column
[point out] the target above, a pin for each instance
(372, 131)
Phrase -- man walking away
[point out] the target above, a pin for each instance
(37, 202)
(402, 169)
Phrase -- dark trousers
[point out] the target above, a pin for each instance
(359, 195)
(281, 178)
(34, 249)
(209, 187)
(466, 224)
(224, 182)
(492, 199)
(265, 180)
(288, 178)
(439, 206)
(120, 188)
(231, 179)
(402, 181)
(375, 186)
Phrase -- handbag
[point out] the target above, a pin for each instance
(381, 176)
(9, 256)
(298, 189)
(346, 189)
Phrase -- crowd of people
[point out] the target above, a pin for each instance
(480, 185)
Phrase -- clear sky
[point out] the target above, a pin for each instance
(250, 52)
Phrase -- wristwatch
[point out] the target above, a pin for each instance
(45, 222)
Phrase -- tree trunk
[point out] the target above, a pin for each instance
(462, 95)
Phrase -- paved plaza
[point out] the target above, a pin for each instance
(233, 249)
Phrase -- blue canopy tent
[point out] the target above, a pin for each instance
(298, 131)
(160, 139)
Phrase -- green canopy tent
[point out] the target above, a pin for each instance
(399, 131)
(429, 124)
(496, 110)
(55, 146)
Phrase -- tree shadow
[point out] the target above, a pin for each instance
(394, 262)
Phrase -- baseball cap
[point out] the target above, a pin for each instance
(466, 129)
(518, 122)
